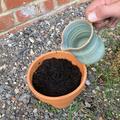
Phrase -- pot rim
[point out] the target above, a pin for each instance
(89, 39)
(80, 87)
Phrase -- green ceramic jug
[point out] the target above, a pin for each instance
(80, 39)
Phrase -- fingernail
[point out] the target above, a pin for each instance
(92, 17)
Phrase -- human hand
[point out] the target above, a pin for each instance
(104, 13)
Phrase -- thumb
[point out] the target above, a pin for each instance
(104, 11)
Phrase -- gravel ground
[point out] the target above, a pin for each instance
(16, 54)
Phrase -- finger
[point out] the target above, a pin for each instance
(105, 11)
(108, 2)
(111, 21)
(93, 5)
(114, 24)
(101, 24)
(96, 3)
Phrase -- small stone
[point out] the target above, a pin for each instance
(49, 42)
(91, 76)
(42, 117)
(31, 52)
(104, 40)
(13, 98)
(38, 39)
(23, 116)
(110, 52)
(6, 83)
(73, 13)
(21, 33)
(24, 98)
(46, 109)
(20, 104)
(35, 110)
(111, 89)
(11, 117)
(11, 35)
(118, 99)
(14, 83)
(52, 28)
(3, 67)
(51, 114)
(87, 82)
(3, 106)
(9, 45)
(1, 89)
(87, 104)
(100, 81)
(109, 49)
(46, 116)
(93, 91)
(8, 102)
(56, 119)
(3, 115)
(16, 91)
(47, 23)
(93, 69)
(97, 88)
(75, 114)
(31, 40)
(105, 100)
(62, 21)
(8, 95)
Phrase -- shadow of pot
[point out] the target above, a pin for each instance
(61, 101)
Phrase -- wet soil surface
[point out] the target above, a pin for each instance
(56, 77)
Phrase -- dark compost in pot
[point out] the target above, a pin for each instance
(56, 77)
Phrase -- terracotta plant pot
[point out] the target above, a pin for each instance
(61, 101)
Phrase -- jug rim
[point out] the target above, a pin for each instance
(89, 39)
